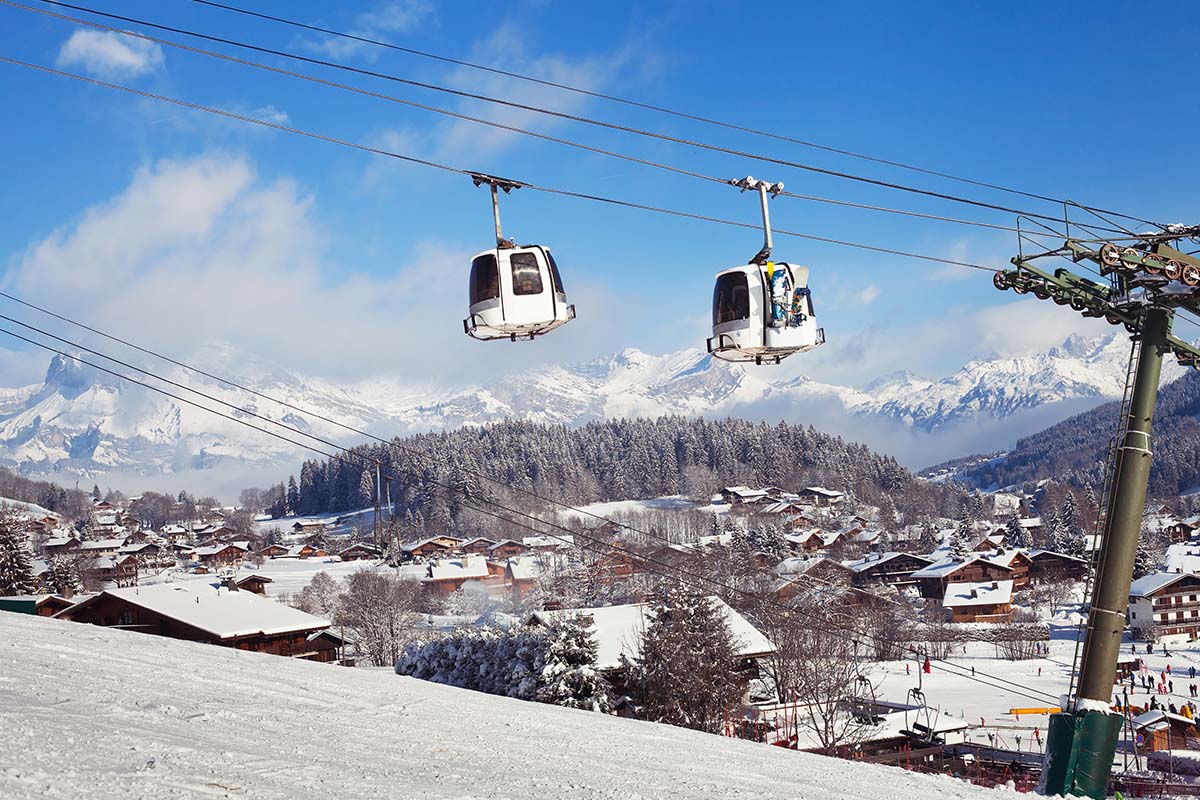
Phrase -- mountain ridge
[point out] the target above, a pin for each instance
(85, 423)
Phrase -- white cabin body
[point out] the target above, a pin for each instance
(763, 314)
(515, 293)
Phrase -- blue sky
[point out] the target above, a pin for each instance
(176, 228)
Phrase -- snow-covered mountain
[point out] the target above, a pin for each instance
(82, 422)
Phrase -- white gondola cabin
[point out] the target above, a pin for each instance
(763, 311)
(763, 314)
(516, 293)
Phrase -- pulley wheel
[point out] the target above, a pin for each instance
(1191, 275)
(1110, 255)
(1152, 263)
(1173, 269)
(1000, 281)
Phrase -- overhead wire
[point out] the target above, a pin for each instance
(522, 131)
(651, 107)
(535, 109)
(343, 450)
(460, 171)
(393, 444)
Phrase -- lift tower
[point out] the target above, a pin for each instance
(1146, 283)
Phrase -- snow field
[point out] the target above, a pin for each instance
(101, 713)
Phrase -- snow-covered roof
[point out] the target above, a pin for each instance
(523, 568)
(745, 491)
(1038, 552)
(1147, 585)
(875, 559)
(59, 541)
(558, 540)
(213, 549)
(218, 611)
(618, 631)
(468, 568)
(987, 593)
(942, 568)
(1157, 717)
(1030, 522)
(821, 491)
(103, 544)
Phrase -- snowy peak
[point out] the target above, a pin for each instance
(79, 422)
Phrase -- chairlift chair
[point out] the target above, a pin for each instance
(516, 291)
(763, 311)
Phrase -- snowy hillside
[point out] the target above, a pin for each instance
(102, 713)
(83, 423)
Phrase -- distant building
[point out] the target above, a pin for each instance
(42, 605)
(1168, 600)
(446, 576)
(989, 601)
(360, 551)
(936, 578)
(887, 569)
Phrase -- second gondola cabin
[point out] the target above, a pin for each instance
(763, 314)
(516, 293)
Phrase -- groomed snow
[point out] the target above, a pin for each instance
(99, 713)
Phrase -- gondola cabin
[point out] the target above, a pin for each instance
(516, 293)
(763, 314)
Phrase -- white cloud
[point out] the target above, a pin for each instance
(201, 251)
(269, 113)
(400, 16)
(868, 294)
(110, 55)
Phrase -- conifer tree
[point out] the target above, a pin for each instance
(16, 567)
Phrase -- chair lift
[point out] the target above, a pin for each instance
(763, 311)
(921, 726)
(516, 292)
(863, 703)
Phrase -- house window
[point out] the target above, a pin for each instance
(1133, 615)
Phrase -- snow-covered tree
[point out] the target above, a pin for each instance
(1015, 535)
(569, 676)
(16, 567)
(1143, 561)
(321, 597)
(62, 576)
(684, 674)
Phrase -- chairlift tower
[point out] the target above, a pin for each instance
(1147, 282)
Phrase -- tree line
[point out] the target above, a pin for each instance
(610, 460)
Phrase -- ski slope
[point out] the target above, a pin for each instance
(99, 713)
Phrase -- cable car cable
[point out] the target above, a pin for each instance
(536, 134)
(447, 168)
(526, 107)
(649, 106)
(392, 444)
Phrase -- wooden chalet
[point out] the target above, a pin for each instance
(273, 551)
(820, 496)
(120, 571)
(253, 583)
(619, 563)
(200, 612)
(476, 547)
(60, 545)
(935, 578)
(521, 576)
(306, 527)
(361, 551)
(744, 495)
(101, 547)
(506, 549)
(446, 576)
(221, 555)
(987, 601)
(1159, 730)
(435, 545)
(1183, 530)
(1046, 566)
(886, 569)
(1168, 600)
(41, 605)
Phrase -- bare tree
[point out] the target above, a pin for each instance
(819, 666)
(379, 612)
